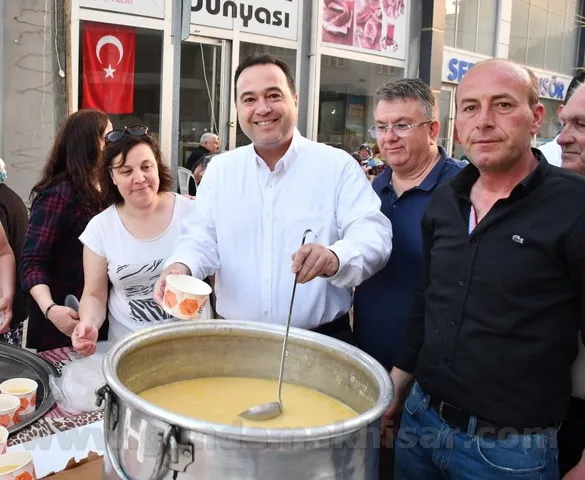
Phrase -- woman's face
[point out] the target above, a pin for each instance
(108, 129)
(137, 178)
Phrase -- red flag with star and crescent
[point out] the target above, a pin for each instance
(108, 67)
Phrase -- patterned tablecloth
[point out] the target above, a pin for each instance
(58, 419)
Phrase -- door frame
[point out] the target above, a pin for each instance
(450, 127)
(222, 121)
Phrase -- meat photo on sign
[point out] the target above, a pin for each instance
(368, 25)
(392, 8)
(338, 21)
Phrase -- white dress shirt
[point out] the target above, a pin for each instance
(552, 151)
(248, 222)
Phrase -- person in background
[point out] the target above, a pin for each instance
(493, 333)
(199, 171)
(406, 130)
(127, 244)
(208, 144)
(572, 143)
(552, 150)
(376, 163)
(63, 202)
(7, 282)
(255, 203)
(14, 220)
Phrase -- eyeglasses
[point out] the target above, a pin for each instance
(399, 129)
(136, 130)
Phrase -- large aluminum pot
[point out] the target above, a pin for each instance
(147, 442)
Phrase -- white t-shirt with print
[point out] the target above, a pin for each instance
(133, 267)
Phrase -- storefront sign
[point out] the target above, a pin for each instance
(275, 18)
(366, 26)
(456, 65)
(144, 8)
(457, 69)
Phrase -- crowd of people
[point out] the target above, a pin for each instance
(466, 279)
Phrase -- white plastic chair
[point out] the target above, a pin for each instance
(184, 175)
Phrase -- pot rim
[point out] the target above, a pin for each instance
(291, 435)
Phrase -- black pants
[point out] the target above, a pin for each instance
(571, 436)
(338, 328)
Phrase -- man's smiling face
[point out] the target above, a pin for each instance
(267, 108)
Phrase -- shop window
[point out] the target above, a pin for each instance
(346, 101)
(134, 71)
(289, 56)
(545, 34)
(471, 25)
(199, 95)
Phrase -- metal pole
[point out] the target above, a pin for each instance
(176, 34)
(213, 88)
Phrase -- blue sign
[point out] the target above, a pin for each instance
(457, 69)
(548, 87)
(551, 87)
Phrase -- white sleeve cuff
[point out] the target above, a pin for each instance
(345, 254)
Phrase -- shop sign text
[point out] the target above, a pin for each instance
(144, 8)
(549, 86)
(457, 69)
(273, 18)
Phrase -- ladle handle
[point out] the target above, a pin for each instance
(285, 341)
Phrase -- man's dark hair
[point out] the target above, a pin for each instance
(264, 59)
(410, 89)
(577, 81)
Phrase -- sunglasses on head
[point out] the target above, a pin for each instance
(136, 130)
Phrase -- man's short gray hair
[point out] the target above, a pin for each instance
(410, 89)
(206, 137)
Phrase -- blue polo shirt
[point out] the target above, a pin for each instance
(382, 304)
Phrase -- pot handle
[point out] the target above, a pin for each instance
(105, 394)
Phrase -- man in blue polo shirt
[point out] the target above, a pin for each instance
(406, 130)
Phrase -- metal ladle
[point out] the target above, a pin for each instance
(270, 410)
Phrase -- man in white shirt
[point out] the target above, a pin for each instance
(255, 202)
(552, 150)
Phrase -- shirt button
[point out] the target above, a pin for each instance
(453, 324)
(265, 312)
(461, 283)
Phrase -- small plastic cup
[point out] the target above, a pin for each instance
(9, 406)
(185, 296)
(17, 466)
(23, 388)
(3, 440)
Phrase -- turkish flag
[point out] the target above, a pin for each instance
(108, 67)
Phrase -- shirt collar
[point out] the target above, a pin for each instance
(286, 159)
(429, 182)
(463, 182)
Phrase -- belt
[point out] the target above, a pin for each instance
(458, 419)
(335, 326)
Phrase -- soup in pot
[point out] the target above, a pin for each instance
(222, 399)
